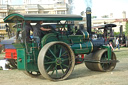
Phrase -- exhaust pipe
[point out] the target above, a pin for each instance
(88, 20)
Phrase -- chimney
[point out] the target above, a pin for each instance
(88, 20)
(111, 15)
(124, 14)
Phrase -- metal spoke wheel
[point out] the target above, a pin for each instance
(13, 62)
(32, 73)
(56, 61)
(104, 64)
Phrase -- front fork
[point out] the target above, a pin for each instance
(109, 51)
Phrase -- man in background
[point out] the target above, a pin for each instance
(117, 43)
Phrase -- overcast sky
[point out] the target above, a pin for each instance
(99, 7)
(102, 7)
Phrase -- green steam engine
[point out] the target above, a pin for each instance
(61, 48)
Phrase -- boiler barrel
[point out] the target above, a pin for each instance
(84, 35)
(82, 48)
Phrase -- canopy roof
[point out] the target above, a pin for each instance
(105, 26)
(37, 17)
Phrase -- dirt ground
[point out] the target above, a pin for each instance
(80, 76)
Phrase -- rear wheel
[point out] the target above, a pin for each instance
(56, 61)
(104, 64)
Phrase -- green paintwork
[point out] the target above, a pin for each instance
(27, 59)
(13, 17)
(32, 57)
(21, 59)
(48, 38)
(109, 51)
(18, 29)
(77, 42)
(82, 51)
(82, 48)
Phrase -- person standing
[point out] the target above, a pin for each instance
(110, 44)
(37, 32)
(28, 28)
(8, 30)
(117, 43)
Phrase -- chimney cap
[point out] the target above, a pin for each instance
(88, 9)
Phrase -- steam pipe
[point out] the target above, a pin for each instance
(88, 20)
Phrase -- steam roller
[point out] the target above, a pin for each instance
(55, 54)
(98, 61)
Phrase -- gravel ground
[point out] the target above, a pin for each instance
(80, 76)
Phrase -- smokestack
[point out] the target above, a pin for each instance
(124, 14)
(88, 20)
(121, 30)
(111, 15)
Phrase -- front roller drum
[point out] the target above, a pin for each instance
(56, 61)
(98, 61)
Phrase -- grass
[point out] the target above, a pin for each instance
(123, 52)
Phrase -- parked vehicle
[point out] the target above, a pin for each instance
(10, 51)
